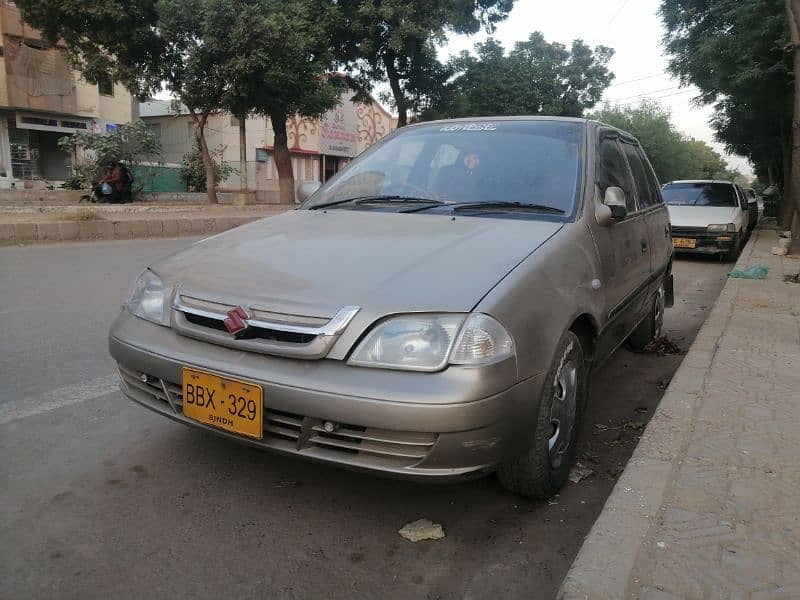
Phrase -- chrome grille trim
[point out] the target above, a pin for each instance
(320, 339)
(297, 434)
(335, 326)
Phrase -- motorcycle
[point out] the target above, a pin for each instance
(101, 193)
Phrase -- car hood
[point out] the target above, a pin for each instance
(312, 262)
(701, 216)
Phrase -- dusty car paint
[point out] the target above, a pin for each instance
(536, 277)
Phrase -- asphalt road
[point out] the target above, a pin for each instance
(99, 498)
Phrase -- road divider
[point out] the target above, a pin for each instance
(97, 224)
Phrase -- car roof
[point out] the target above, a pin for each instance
(579, 120)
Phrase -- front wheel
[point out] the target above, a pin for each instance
(736, 249)
(543, 469)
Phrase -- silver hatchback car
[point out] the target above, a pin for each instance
(433, 312)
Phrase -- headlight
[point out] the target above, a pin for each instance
(425, 342)
(147, 299)
(729, 228)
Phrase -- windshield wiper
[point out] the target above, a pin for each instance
(380, 199)
(506, 206)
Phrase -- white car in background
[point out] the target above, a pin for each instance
(707, 216)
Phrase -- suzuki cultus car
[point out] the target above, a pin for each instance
(433, 312)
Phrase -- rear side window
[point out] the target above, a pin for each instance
(655, 188)
(699, 194)
(613, 171)
(639, 176)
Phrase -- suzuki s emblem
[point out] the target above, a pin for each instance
(236, 322)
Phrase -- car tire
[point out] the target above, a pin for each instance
(652, 327)
(736, 249)
(542, 471)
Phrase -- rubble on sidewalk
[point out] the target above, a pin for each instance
(421, 529)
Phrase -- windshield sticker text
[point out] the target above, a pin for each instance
(469, 127)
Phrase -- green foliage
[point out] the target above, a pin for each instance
(673, 155)
(193, 172)
(535, 77)
(267, 56)
(735, 53)
(396, 40)
(275, 55)
(117, 39)
(129, 144)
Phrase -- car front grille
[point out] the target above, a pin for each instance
(298, 434)
(296, 336)
(690, 232)
(703, 237)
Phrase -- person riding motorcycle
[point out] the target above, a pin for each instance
(115, 183)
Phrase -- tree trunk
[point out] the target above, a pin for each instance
(283, 160)
(242, 152)
(397, 91)
(793, 13)
(785, 206)
(208, 164)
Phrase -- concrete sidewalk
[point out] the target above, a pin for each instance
(33, 225)
(709, 504)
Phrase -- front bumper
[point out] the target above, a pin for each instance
(447, 425)
(705, 242)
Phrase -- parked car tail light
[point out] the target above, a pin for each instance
(729, 228)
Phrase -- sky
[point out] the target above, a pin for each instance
(633, 28)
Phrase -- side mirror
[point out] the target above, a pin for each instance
(306, 189)
(613, 208)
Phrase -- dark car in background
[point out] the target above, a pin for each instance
(752, 208)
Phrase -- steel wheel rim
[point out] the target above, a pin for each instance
(562, 410)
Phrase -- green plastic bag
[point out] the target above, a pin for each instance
(758, 271)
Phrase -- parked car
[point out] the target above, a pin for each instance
(752, 208)
(433, 311)
(707, 216)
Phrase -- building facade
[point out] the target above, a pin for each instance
(41, 100)
(319, 147)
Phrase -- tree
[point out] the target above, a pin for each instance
(128, 144)
(735, 53)
(280, 62)
(192, 69)
(673, 155)
(193, 170)
(536, 77)
(395, 40)
(793, 16)
(267, 56)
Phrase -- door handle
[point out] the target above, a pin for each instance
(666, 230)
(644, 245)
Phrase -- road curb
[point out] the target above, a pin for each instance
(607, 557)
(127, 229)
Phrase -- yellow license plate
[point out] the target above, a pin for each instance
(235, 406)
(684, 243)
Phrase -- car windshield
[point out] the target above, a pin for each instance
(520, 162)
(699, 194)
